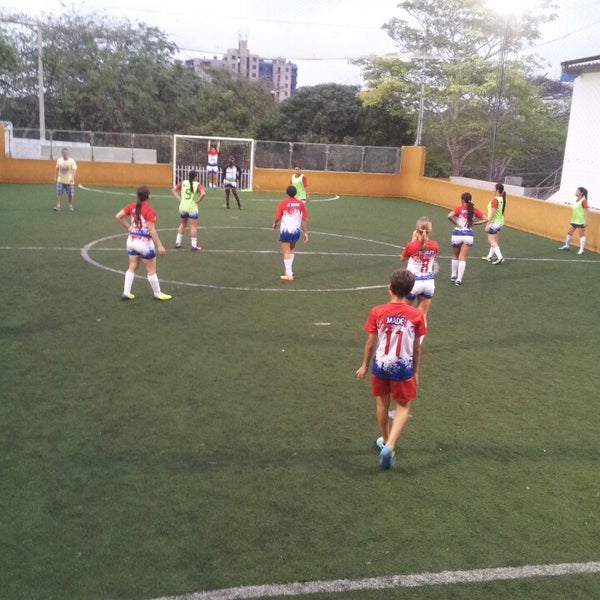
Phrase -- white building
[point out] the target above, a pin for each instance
(278, 74)
(581, 163)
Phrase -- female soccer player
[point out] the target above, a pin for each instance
(578, 220)
(139, 219)
(464, 218)
(420, 253)
(291, 213)
(231, 181)
(495, 216)
(189, 193)
(299, 181)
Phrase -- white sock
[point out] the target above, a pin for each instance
(179, 239)
(568, 240)
(491, 252)
(194, 242)
(498, 252)
(454, 268)
(582, 242)
(287, 263)
(129, 277)
(154, 284)
(462, 265)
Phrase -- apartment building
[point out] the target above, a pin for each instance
(278, 74)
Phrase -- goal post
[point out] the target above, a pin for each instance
(190, 153)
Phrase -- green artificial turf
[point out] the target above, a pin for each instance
(221, 439)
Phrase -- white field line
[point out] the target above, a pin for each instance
(298, 251)
(113, 193)
(393, 581)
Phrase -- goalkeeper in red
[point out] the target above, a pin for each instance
(291, 214)
(394, 330)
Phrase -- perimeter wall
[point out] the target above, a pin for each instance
(546, 219)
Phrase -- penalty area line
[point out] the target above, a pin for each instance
(394, 581)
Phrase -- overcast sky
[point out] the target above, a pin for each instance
(318, 35)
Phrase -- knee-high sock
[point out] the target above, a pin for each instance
(154, 284)
(129, 277)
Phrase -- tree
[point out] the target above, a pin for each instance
(466, 67)
(100, 74)
(230, 106)
(8, 63)
(322, 113)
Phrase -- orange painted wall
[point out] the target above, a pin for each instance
(534, 216)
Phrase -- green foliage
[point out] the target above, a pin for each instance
(109, 75)
(8, 61)
(338, 114)
(323, 113)
(230, 107)
(473, 78)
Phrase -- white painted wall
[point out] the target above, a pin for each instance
(581, 163)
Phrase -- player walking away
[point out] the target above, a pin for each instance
(393, 336)
(291, 214)
(578, 220)
(66, 168)
(231, 180)
(189, 193)
(464, 218)
(421, 253)
(139, 219)
(300, 182)
(212, 163)
(495, 216)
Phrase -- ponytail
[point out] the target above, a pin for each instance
(468, 200)
(502, 192)
(423, 228)
(192, 176)
(143, 193)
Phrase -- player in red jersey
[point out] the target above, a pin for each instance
(291, 213)
(464, 218)
(393, 332)
(139, 219)
(420, 253)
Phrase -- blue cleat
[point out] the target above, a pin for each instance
(379, 443)
(386, 457)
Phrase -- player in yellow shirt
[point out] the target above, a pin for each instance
(66, 168)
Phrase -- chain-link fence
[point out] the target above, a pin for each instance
(158, 149)
(327, 157)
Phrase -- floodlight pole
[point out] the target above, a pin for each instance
(498, 97)
(421, 106)
(41, 102)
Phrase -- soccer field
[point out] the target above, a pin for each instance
(221, 440)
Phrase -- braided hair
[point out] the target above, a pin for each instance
(468, 200)
(143, 193)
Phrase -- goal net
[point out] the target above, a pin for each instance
(190, 153)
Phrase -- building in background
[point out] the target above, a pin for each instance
(581, 163)
(278, 74)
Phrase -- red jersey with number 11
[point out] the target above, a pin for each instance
(397, 325)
